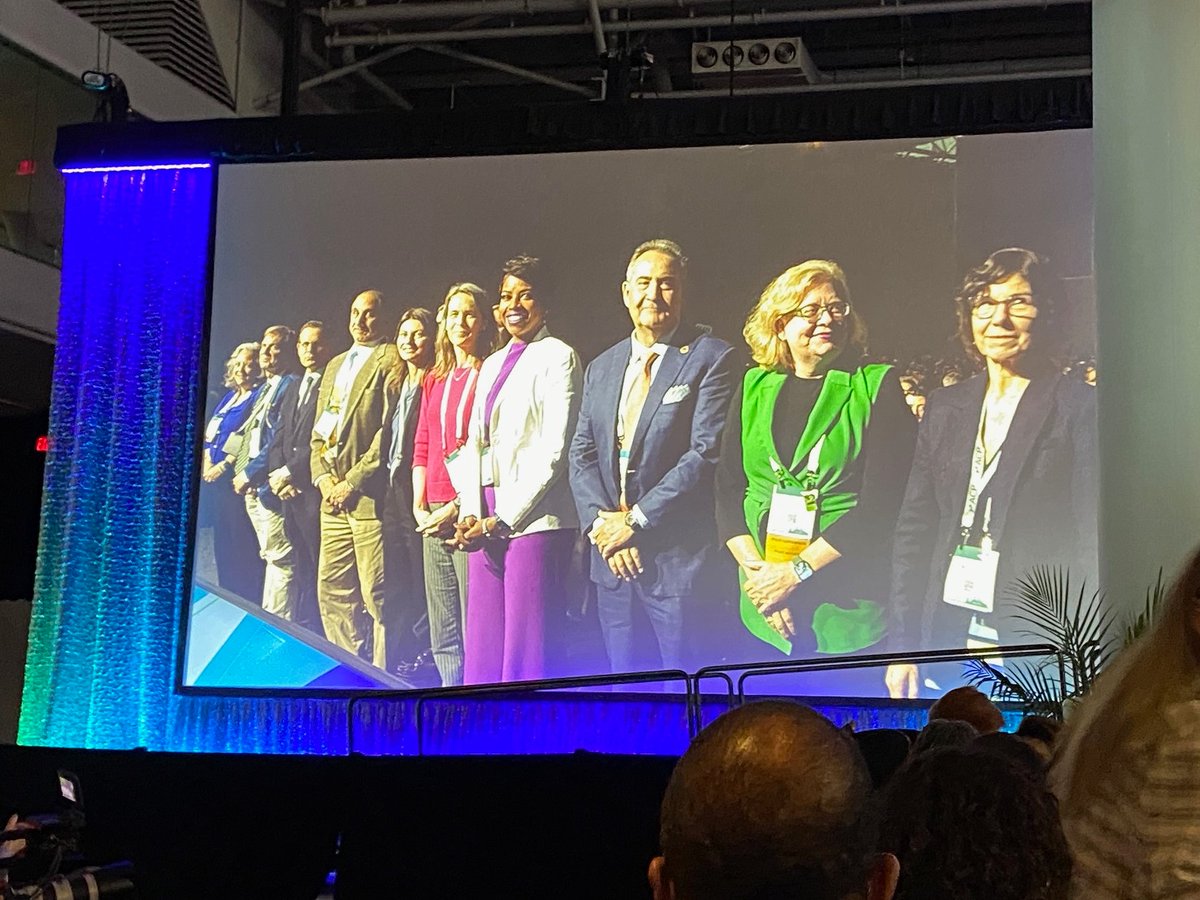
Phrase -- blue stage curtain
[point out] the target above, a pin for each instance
(119, 482)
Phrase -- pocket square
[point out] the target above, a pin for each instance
(676, 392)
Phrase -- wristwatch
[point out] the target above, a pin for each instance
(802, 569)
(501, 530)
(631, 521)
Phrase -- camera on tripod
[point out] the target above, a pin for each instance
(52, 840)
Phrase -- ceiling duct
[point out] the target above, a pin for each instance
(171, 33)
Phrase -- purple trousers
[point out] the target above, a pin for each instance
(509, 586)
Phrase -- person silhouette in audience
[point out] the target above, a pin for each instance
(968, 704)
(771, 800)
(944, 733)
(970, 824)
(1126, 766)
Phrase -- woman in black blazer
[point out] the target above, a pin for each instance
(1004, 474)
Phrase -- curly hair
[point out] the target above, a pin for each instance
(997, 269)
(968, 824)
(781, 299)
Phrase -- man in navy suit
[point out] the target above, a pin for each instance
(251, 467)
(291, 478)
(643, 459)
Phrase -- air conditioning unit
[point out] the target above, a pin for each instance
(764, 55)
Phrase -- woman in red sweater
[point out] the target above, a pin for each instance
(465, 337)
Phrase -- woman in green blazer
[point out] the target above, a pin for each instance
(814, 443)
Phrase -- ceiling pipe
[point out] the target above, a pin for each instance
(507, 68)
(597, 28)
(722, 21)
(877, 84)
(414, 12)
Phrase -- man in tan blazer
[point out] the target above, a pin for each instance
(346, 470)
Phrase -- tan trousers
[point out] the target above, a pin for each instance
(350, 586)
(279, 584)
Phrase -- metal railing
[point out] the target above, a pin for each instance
(735, 691)
(516, 689)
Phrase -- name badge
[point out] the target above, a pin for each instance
(326, 425)
(255, 441)
(791, 522)
(486, 472)
(971, 579)
(210, 433)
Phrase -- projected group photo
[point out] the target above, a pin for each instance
(502, 419)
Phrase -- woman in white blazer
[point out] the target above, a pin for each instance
(517, 516)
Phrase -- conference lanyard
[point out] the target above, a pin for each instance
(460, 432)
(981, 476)
(809, 476)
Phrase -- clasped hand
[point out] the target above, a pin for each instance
(439, 522)
(770, 585)
(612, 537)
(468, 534)
(336, 493)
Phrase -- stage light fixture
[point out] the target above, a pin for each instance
(758, 55)
(706, 56)
(785, 52)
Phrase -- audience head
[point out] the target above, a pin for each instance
(653, 290)
(967, 704)
(311, 347)
(944, 733)
(1040, 733)
(463, 327)
(1126, 709)
(366, 317)
(524, 297)
(241, 369)
(967, 824)
(770, 801)
(277, 352)
(779, 329)
(1016, 750)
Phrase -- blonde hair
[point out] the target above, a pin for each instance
(1125, 709)
(485, 340)
(232, 363)
(781, 299)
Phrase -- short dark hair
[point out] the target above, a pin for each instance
(966, 824)
(771, 800)
(311, 323)
(1016, 750)
(533, 272)
(944, 733)
(998, 268)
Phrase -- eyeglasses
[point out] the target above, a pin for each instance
(837, 309)
(1017, 307)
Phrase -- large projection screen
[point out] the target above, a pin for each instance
(290, 593)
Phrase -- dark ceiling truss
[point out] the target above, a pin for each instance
(447, 53)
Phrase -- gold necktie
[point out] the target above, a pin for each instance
(638, 391)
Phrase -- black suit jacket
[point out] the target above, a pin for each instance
(1043, 502)
(294, 445)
